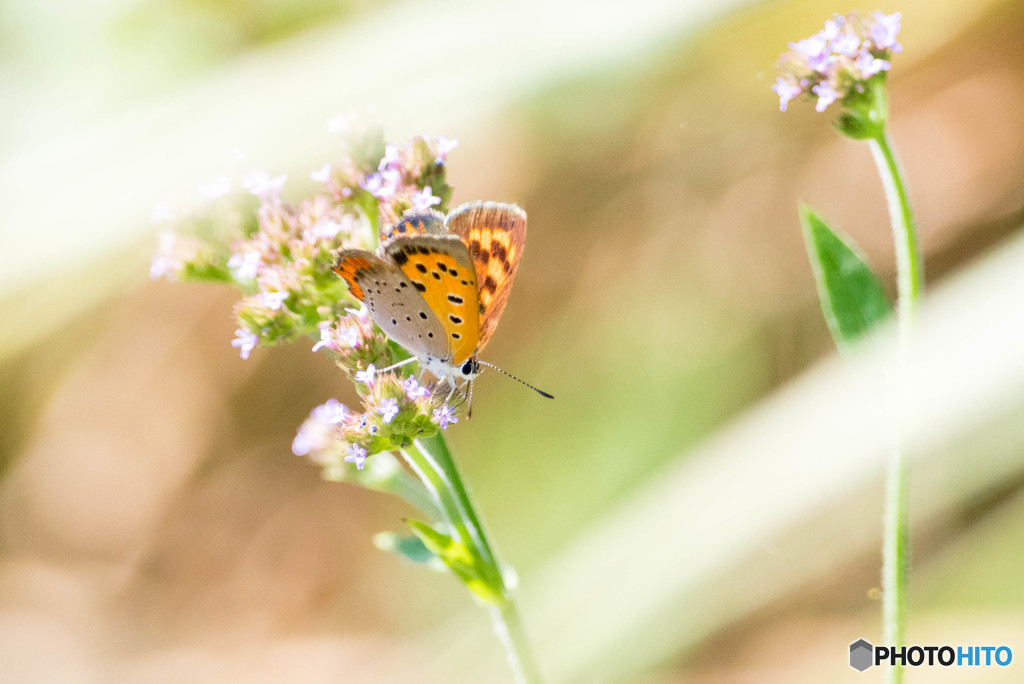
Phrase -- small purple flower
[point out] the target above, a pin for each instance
(391, 159)
(833, 27)
(272, 300)
(869, 66)
(246, 265)
(351, 337)
(381, 184)
(388, 409)
(356, 454)
(815, 49)
(786, 91)
(366, 376)
(826, 96)
(884, 30)
(414, 390)
(444, 416)
(422, 201)
(845, 44)
(304, 441)
(245, 341)
(332, 411)
(322, 175)
(444, 147)
(317, 432)
(325, 338)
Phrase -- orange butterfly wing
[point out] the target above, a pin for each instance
(442, 271)
(494, 234)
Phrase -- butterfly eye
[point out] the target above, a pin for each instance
(469, 368)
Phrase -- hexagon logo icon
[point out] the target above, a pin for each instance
(861, 655)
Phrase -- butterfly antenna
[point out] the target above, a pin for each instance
(519, 380)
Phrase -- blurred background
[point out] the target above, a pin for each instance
(703, 500)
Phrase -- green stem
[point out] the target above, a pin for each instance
(910, 279)
(509, 627)
(409, 489)
(909, 268)
(433, 463)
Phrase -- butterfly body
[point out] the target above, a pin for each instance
(440, 284)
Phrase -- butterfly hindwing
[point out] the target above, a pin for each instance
(393, 301)
(494, 234)
(430, 222)
(442, 271)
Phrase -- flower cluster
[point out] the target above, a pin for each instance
(396, 411)
(280, 256)
(836, 63)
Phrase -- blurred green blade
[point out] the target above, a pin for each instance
(852, 298)
(409, 547)
(461, 560)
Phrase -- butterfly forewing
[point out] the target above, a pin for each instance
(394, 302)
(494, 235)
(442, 271)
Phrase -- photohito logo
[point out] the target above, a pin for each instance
(863, 655)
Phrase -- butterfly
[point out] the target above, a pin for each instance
(440, 283)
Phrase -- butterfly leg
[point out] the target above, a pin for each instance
(397, 365)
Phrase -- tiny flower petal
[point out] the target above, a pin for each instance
(245, 341)
(826, 96)
(444, 416)
(786, 90)
(414, 390)
(884, 30)
(332, 411)
(325, 337)
(366, 376)
(245, 265)
(422, 201)
(391, 158)
(272, 300)
(869, 65)
(845, 44)
(388, 410)
(444, 147)
(356, 454)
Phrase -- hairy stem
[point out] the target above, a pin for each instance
(910, 279)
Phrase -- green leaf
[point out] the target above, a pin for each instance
(852, 298)
(461, 560)
(411, 548)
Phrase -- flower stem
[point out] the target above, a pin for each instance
(433, 462)
(910, 279)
